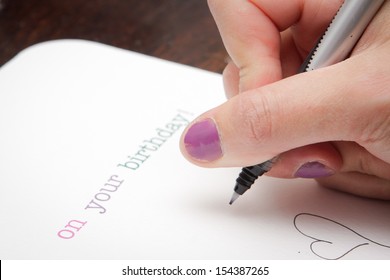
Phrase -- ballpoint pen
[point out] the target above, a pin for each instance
(335, 45)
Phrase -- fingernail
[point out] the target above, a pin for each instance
(313, 169)
(202, 141)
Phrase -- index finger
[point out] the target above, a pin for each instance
(251, 33)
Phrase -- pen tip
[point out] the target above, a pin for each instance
(234, 198)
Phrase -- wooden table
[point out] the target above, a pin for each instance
(177, 30)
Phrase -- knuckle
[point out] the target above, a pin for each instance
(374, 118)
(377, 130)
(375, 127)
(363, 161)
(258, 116)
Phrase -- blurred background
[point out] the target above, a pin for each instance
(178, 30)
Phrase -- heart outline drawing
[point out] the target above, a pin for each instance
(302, 223)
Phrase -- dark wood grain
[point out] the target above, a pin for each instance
(177, 30)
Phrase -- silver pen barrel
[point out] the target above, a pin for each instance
(343, 33)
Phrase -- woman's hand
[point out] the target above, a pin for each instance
(332, 124)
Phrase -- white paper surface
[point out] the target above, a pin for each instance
(73, 113)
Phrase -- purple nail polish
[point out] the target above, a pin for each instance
(313, 169)
(202, 141)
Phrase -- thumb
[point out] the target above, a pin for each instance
(257, 125)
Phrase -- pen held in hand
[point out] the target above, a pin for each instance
(335, 45)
